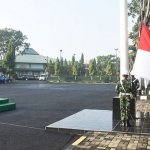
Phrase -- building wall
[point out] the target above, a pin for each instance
(29, 72)
(20, 65)
(40, 66)
(27, 65)
(30, 66)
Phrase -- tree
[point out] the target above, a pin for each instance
(117, 70)
(81, 64)
(103, 60)
(70, 68)
(98, 65)
(134, 36)
(100, 73)
(73, 60)
(140, 9)
(18, 40)
(118, 73)
(91, 68)
(109, 69)
(133, 8)
(50, 68)
(74, 70)
(65, 62)
(82, 59)
(57, 68)
(65, 67)
(94, 64)
(9, 59)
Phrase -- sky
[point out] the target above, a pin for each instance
(90, 27)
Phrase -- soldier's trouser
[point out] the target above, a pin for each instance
(125, 107)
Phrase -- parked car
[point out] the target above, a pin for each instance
(21, 78)
(43, 77)
(31, 77)
(6, 78)
(36, 77)
(2, 80)
(27, 77)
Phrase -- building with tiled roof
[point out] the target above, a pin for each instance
(31, 63)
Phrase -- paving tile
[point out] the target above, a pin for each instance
(119, 148)
(113, 145)
(88, 147)
(93, 147)
(98, 148)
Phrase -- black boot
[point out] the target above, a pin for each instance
(128, 123)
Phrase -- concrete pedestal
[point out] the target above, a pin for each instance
(143, 97)
(116, 108)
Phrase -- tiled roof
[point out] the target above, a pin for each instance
(30, 51)
(33, 59)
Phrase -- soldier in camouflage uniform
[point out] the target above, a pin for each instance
(124, 90)
(135, 85)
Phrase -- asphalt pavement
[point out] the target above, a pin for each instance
(40, 103)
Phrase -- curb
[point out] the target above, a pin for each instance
(78, 83)
(78, 141)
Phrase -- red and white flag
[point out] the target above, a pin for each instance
(141, 67)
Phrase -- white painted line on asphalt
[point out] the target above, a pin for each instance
(21, 126)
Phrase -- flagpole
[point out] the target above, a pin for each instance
(124, 63)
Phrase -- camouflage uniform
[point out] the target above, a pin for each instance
(135, 85)
(124, 92)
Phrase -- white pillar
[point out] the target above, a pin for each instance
(124, 64)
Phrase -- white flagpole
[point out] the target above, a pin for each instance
(124, 63)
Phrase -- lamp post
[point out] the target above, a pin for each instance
(60, 56)
(46, 69)
(46, 61)
(116, 52)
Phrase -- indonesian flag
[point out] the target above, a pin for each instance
(141, 66)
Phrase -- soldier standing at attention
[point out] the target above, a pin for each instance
(124, 90)
(135, 85)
